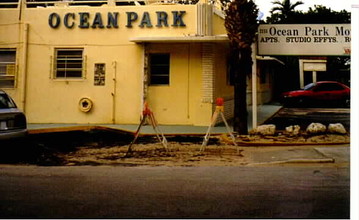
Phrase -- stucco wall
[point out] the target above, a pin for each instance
(46, 99)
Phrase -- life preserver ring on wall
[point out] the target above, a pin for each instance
(85, 105)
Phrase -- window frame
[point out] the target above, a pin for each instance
(66, 69)
(166, 65)
(10, 67)
(328, 87)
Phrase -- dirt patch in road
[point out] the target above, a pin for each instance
(221, 152)
(156, 155)
(102, 148)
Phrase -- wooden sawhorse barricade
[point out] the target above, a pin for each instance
(147, 116)
(219, 111)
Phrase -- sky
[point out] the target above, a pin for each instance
(266, 5)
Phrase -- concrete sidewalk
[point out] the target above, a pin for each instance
(264, 112)
(322, 154)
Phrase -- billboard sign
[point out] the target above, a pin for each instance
(304, 39)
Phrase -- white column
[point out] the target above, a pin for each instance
(301, 74)
(254, 87)
(24, 60)
(354, 108)
(314, 76)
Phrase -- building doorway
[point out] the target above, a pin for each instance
(168, 82)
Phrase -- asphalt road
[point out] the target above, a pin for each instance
(174, 192)
(281, 191)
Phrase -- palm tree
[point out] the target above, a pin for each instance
(286, 8)
(241, 25)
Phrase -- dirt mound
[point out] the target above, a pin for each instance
(221, 151)
(156, 155)
(85, 148)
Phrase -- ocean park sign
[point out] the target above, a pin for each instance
(85, 20)
(304, 39)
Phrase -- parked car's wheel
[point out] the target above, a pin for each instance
(301, 102)
(289, 102)
(294, 102)
(347, 102)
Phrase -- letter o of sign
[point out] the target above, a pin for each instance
(54, 20)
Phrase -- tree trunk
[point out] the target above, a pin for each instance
(242, 67)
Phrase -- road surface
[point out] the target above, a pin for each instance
(315, 191)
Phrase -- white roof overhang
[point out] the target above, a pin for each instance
(181, 39)
(268, 58)
(194, 39)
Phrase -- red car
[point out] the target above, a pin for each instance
(327, 93)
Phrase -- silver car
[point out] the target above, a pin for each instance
(12, 120)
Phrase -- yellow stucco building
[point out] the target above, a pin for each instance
(97, 61)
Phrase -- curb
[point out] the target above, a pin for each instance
(326, 160)
(243, 144)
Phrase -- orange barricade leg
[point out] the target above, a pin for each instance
(219, 111)
(147, 114)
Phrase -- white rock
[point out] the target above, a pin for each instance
(315, 128)
(265, 129)
(292, 130)
(337, 128)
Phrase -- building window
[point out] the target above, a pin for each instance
(7, 68)
(159, 69)
(69, 63)
(9, 3)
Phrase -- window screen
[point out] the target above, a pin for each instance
(69, 63)
(7, 68)
(159, 69)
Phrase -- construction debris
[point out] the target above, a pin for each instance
(265, 130)
(316, 128)
(337, 128)
(292, 130)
